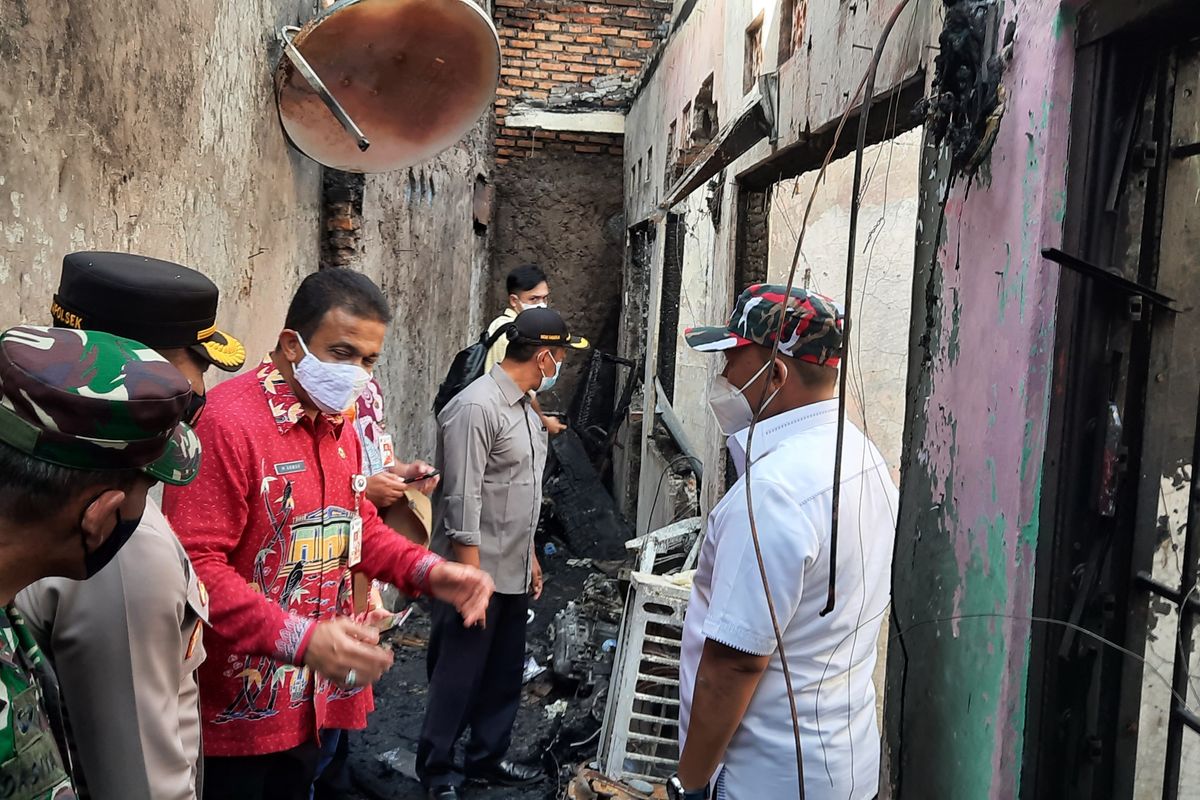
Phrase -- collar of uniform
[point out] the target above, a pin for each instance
(285, 407)
(508, 388)
(508, 312)
(772, 432)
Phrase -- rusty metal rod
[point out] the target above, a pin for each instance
(309, 74)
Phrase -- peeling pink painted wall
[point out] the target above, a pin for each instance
(971, 494)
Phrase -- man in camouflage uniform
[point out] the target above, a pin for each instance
(88, 423)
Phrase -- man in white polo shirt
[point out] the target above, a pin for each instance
(735, 723)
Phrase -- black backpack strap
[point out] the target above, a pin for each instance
(495, 337)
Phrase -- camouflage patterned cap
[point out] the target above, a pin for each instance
(812, 331)
(90, 400)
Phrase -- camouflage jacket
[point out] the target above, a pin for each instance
(31, 766)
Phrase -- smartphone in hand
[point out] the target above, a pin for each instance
(433, 474)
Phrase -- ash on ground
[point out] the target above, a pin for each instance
(558, 725)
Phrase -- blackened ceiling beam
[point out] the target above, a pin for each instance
(1104, 17)
(890, 117)
(756, 122)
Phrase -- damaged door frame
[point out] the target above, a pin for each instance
(1099, 532)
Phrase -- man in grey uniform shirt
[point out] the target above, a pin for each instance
(126, 644)
(492, 451)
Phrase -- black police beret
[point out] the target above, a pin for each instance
(158, 303)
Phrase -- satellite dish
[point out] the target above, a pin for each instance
(378, 85)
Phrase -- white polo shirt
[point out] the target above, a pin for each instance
(831, 666)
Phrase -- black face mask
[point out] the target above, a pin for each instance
(98, 559)
(195, 408)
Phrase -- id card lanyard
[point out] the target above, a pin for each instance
(358, 484)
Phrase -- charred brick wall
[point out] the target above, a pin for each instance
(562, 57)
(559, 193)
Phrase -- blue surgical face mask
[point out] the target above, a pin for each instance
(548, 381)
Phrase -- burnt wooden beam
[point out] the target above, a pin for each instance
(756, 122)
(810, 150)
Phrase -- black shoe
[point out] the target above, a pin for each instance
(443, 793)
(508, 773)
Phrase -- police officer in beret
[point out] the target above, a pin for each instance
(127, 643)
(88, 423)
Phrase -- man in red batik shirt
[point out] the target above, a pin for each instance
(273, 525)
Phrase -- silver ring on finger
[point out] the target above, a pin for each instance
(352, 678)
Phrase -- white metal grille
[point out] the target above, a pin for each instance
(640, 739)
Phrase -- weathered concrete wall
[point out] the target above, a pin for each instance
(696, 300)
(151, 127)
(709, 44)
(975, 436)
(815, 82)
(562, 210)
(420, 246)
(887, 225)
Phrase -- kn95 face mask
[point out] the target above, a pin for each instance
(332, 387)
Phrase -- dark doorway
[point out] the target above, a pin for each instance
(1123, 428)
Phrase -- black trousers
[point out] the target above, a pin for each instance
(474, 680)
(277, 776)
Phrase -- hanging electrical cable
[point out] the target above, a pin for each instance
(865, 90)
(847, 321)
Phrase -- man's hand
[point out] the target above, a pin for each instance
(384, 489)
(380, 619)
(339, 645)
(412, 472)
(535, 580)
(377, 616)
(554, 426)
(468, 589)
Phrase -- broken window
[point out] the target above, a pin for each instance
(753, 242)
(481, 205)
(753, 57)
(649, 165)
(704, 117)
(668, 314)
(1129, 211)
(668, 177)
(632, 344)
(792, 15)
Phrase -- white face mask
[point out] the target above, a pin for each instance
(729, 404)
(527, 306)
(548, 381)
(332, 387)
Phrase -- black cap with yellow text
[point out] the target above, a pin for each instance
(158, 303)
(544, 326)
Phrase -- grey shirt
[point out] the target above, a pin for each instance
(492, 452)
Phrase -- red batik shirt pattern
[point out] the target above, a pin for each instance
(267, 526)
